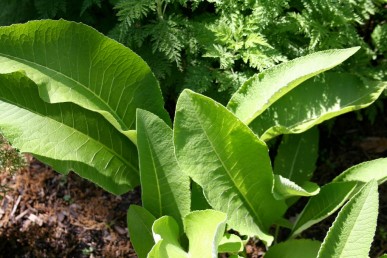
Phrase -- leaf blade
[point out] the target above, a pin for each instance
(263, 89)
(159, 169)
(331, 197)
(71, 62)
(204, 230)
(66, 136)
(294, 248)
(209, 142)
(297, 155)
(316, 101)
(365, 172)
(352, 232)
(285, 188)
(140, 222)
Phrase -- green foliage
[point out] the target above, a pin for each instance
(227, 169)
(352, 232)
(303, 107)
(297, 155)
(140, 222)
(219, 44)
(80, 101)
(263, 89)
(204, 230)
(294, 248)
(97, 13)
(84, 76)
(331, 197)
(165, 189)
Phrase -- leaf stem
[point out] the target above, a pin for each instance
(277, 228)
(160, 9)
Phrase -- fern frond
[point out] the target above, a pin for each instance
(50, 8)
(166, 37)
(132, 10)
(15, 11)
(379, 38)
(226, 58)
(199, 76)
(88, 3)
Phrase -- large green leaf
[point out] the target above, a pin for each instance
(295, 248)
(66, 136)
(229, 162)
(262, 90)
(330, 198)
(297, 155)
(140, 222)
(165, 189)
(365, 172)
(352, 232)
(72, 62)
(315, 101)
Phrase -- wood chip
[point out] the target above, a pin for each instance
(35, 219)
(21, 215)
(15, 206)
(120, 230)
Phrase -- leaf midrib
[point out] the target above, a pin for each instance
(250, 206)
(42, 70)
(364, 201)
(88, 137)
(155, 173)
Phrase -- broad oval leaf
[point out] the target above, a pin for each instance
(165, 189)
(72, 62)
(285, 188)
(263, 89)
(140, 222)
(229, 162)
(330, 198)
(315, 101)
(365, 172)
(66, 136)
(204, 230)
(353, 230)
(294, 248)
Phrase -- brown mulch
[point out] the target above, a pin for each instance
(45, 214)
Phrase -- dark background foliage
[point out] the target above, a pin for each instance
(213, 46)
